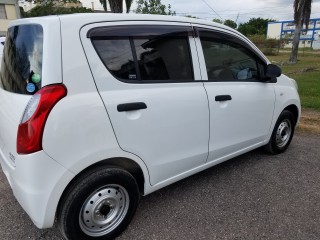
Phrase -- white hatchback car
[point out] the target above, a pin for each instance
(99, 109)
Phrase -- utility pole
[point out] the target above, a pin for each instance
(237, 19)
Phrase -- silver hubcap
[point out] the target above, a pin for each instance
(104, 210)
(283, 133)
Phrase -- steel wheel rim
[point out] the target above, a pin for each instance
(104, 210)
(283, 133)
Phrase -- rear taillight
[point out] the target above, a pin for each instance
(30, 131)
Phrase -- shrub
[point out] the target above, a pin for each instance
(51, 9)
(268, 46)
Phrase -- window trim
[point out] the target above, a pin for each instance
(135, 59)
(153, 30)
(105, 33)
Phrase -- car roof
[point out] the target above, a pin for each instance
(78, 20)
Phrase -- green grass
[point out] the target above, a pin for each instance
(309, 49)
(307, 74)
(309, 89)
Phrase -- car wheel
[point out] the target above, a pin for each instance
(282, 133)
(98, 205)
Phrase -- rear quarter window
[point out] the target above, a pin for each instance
(21, 67)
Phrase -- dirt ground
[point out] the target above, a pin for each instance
(309, 121)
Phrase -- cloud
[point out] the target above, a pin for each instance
(241, 11)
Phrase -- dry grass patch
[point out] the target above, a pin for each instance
(309, 121)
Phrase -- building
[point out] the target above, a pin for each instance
(93, 4)
(9, 10)
(285, 29)
(28, 5)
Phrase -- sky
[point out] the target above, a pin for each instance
(237, 10)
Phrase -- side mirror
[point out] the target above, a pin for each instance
(273, 71)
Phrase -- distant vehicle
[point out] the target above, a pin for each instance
(2, 40)
(98, 109)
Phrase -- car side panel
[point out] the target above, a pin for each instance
(78, 132)
(171, 135)
(244, 121)
(286, 94)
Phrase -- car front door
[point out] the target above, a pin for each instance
(241, 104)
(146, 75)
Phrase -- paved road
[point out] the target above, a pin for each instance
(255, 196)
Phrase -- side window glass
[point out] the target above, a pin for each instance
(145, 53)
(164, 59)
(116, 55)
(228, 60)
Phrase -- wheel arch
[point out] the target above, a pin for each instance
(294, 110)
(124, 163)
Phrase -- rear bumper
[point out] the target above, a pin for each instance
(37, 182)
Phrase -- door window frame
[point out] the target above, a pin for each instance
(127, 32)
(224, 34)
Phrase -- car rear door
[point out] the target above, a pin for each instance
(241, 104)
(146, 74)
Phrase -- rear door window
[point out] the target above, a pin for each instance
(145, 53)
(21, 68)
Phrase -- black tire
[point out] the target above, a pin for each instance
(99, 196)
(282, 133)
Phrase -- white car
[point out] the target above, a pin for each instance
(99, 109)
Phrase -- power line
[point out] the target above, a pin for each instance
(244, 13)
(212, 9)
(236, 11)
(260, 8)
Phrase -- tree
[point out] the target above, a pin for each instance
(55, 2)
(230, 23)
(128, 5)
(23, 14)
(153, 7)
(116, 6)
(50, 8)
(302, 11)
(104, 4)
(217, 20)
(254, 26)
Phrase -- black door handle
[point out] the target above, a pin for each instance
(221, 98)
(131, 106)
